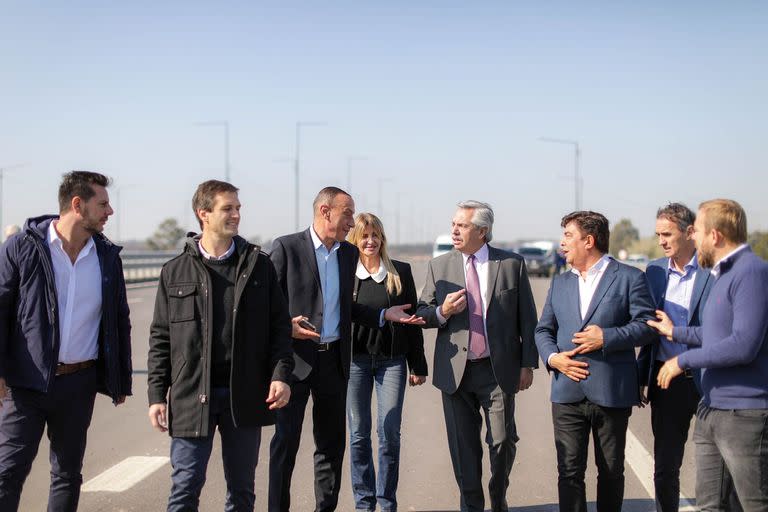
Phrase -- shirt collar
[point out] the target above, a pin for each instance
(208, 256)
(54, 239)
(316, 242)
(716, 269)
(689, 267)
(481, 256)
(362, 273)
(595, 269)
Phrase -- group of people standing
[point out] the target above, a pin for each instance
(241, 339)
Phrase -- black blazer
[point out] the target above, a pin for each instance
(294, 259)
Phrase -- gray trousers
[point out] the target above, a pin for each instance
(734, 441)
(463, 421)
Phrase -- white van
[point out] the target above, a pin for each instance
(443, 244)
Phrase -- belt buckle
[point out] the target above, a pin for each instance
(688, 373)
(324, 347)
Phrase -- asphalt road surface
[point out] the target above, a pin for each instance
(127, 469)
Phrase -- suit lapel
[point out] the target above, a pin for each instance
(605, 282)
(572, 292)
(309, 256)
(702, 276)
(458, 266)
(493, 273)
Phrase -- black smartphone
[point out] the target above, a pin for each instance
(307, 325)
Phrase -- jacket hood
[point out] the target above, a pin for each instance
(38, 226)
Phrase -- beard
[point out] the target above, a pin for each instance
(706, 257)
(91, 224)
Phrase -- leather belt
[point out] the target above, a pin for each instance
(325, 347)
(476, 361)
(68, 368)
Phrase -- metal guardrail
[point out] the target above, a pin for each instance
(141, 267)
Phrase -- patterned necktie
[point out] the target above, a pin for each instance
(477, 345)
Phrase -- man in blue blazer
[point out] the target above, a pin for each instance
(594, 317)
(731, 349)
(679, 288)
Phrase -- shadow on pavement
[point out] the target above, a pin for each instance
(636, 505)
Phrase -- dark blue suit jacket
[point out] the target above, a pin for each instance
(621, 306)
(657, 275)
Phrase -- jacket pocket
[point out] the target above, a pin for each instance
(178, 365)
(181, 302)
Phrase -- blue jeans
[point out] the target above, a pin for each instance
(239, 451)
(388, 375)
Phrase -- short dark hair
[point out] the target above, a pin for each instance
(591, 223)
(79, 184)
(678, 213)
(206, 194)
(326, 197)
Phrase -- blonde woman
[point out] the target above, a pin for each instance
(379, 359)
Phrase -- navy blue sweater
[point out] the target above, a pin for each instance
(733, 338)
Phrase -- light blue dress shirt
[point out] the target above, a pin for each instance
(328, 267)
(677, 303)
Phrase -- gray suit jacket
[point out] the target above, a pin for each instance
(510, 319)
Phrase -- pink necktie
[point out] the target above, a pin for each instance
(477, 345)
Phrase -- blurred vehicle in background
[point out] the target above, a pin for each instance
(443, 244)
(539, 257)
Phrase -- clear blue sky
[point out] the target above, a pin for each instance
(446, 100)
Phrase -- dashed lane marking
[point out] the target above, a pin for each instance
(125, 475)
(135, 300)
(641, 462)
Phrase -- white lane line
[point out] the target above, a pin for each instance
(125, 474)
(135, 300)
(641, 462)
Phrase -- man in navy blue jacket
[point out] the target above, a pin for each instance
(594, 317)
(680, 288)
(732, 420)
(64, 336)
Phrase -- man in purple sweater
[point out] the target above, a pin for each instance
(731, 348)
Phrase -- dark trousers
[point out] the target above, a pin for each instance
(479, 390)
(671, 413)
(239, 453)
(328, 387)
(573, 423)
(731, 442)
(66, 410)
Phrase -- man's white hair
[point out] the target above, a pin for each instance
(482, 217)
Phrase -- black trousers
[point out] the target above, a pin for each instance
(671, 413)
(328, 388)
(573, 423)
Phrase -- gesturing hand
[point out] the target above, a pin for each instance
(398, 314)
(454, 303)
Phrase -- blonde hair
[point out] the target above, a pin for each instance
(369, 220)
(727, 217)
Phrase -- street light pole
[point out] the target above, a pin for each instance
(297, 166)
(225, 125)
(576, 158)
(351, 159)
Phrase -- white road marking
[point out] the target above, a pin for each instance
(135, 300)
(125, 474)
(641, 462)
